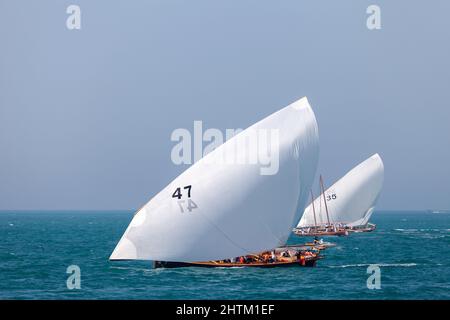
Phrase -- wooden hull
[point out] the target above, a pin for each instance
(212, 264)
(370, 228)
(340, 233)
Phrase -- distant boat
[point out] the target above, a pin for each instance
(327, 228)
(440, 211)
(216, 210)
(349, 203)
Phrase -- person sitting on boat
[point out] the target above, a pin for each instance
(301, 259)
(273, 257)
(249, 259)
(288, 256)
(285, 254)
(266, 257)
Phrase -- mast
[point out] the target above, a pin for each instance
(314, 210)
(324, 199)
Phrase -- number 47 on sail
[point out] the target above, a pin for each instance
(191, 205)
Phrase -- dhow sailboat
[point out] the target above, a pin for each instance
(217, 211)
(348, 204)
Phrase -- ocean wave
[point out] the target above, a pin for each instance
(359, 265)
(131, 268)
(422, 230)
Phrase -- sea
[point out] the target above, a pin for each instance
(42, 251)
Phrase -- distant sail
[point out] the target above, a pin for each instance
(216, 210)
(351, 200)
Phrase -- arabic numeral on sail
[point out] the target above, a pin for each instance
(191, 205)
(180, 204)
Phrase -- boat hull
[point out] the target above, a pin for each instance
(341, 233)
(321, 246)
(168, 264)
(370, 227)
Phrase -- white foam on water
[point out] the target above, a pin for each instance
(377, 264)
(421, 230)
(130, 268)
(430, 236)
(406, 230)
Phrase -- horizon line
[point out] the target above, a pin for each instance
(135, 210)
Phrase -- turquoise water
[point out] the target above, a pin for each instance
(412, 249)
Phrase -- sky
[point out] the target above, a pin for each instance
(86, 115)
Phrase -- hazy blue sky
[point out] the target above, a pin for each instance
(86, 115)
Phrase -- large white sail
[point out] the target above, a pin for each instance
(216, 209)
(351, 200)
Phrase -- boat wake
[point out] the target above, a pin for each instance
(359, 265)
(421, 230)
(424, 233)
(132, 269)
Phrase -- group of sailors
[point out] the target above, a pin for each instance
(272, 257)
(327, 228)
